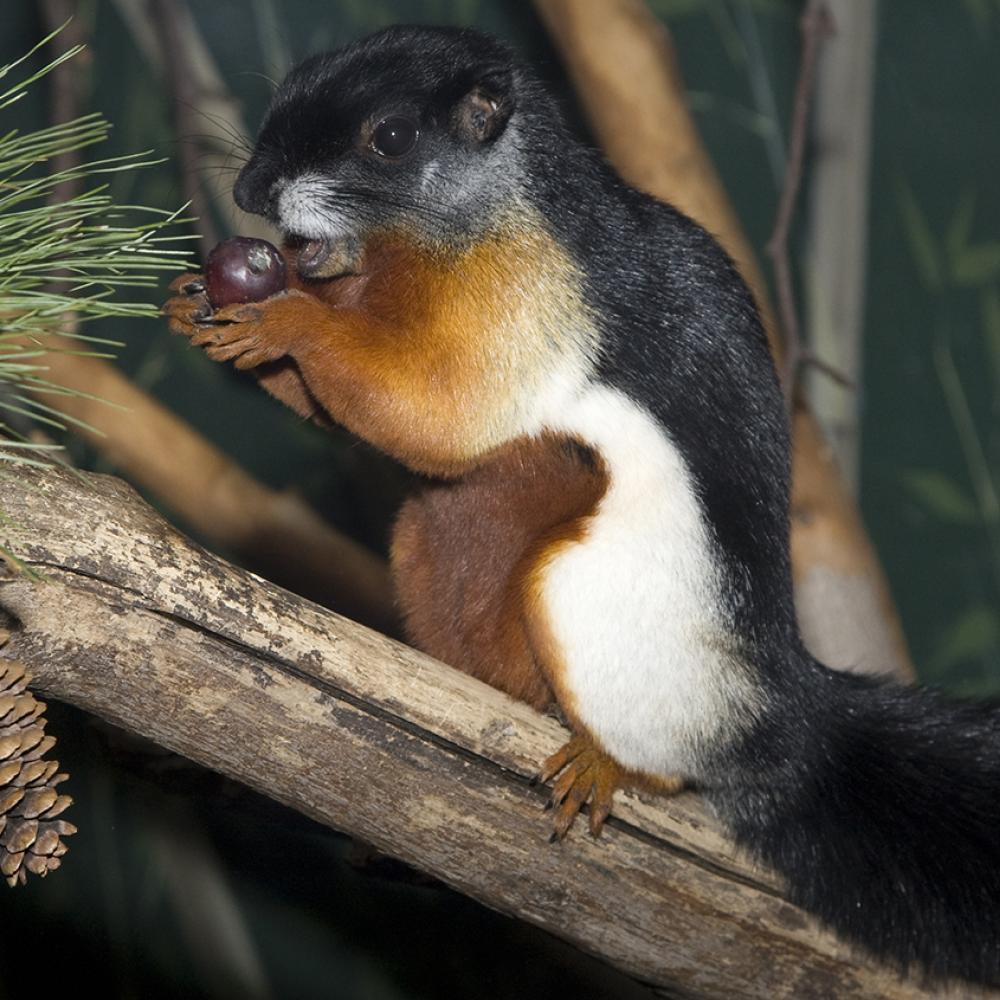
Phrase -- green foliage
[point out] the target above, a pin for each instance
(973, 636)
(958, 260)
(990, 305)
(940, 496)
(63, 256)
(922, 244)
(982, 13)
(952, 264)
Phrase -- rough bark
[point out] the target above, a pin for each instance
(140, 626)
(274, 531)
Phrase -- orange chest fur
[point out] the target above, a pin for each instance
(432, 300)
(452, 348)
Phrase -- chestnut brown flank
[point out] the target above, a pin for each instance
(465, 556)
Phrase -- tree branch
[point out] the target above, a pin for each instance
(275, 532)
(816, 25)
(209, 119)
(138, 625)
(181, 88)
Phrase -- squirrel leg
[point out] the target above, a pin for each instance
(587, 775)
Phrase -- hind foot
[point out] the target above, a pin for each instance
(589, 776)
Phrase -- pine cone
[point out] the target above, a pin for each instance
(30, 832)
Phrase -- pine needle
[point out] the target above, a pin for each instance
(62, 259)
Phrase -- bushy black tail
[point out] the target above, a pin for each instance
(885, 821)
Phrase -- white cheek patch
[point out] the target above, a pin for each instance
(302, 209)
(636, 607)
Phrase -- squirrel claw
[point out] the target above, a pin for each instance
(567, 752)
(587, 775)
(188, 284)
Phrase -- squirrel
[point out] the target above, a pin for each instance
(582, 376)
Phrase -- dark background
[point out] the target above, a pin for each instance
(165, 851)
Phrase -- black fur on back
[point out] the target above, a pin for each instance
(879, 804)
(681, 335)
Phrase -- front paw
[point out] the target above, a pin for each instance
(241, 334)
(249, 334)
(187, 310)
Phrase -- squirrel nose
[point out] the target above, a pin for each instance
(255, 189)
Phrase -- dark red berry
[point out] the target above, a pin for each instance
(242, 269)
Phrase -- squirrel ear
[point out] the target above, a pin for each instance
(482, 113)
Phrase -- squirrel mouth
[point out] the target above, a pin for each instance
(310, 255)
(322, 259)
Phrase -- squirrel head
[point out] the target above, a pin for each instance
(410, 130)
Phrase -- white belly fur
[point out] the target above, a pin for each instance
(636, 606)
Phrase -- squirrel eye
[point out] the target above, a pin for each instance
(395, 136)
